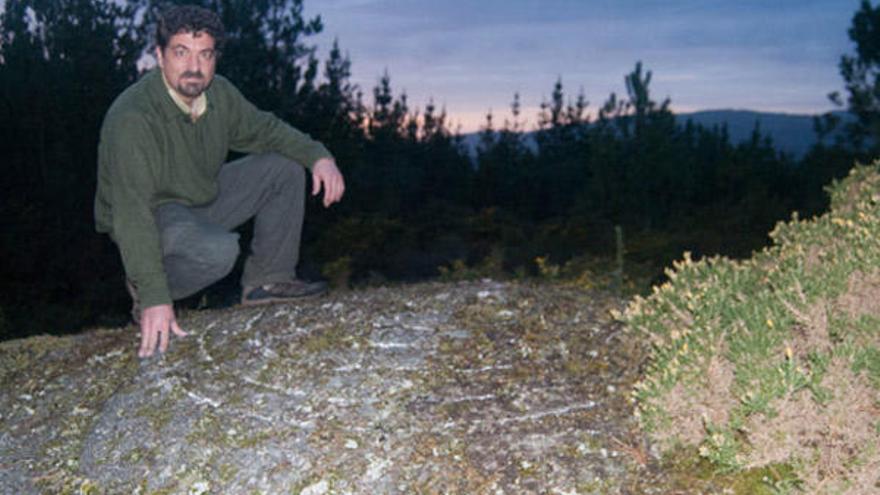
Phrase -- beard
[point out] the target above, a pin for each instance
(195, 84)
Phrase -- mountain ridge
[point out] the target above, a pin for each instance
(791, 133)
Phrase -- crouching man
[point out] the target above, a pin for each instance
(170, 203)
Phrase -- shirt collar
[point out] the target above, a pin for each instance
(199, 105)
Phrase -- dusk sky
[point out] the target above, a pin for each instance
(472, 56)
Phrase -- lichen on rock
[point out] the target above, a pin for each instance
(469, 387)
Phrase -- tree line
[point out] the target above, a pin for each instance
(418, 198)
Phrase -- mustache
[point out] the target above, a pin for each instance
(197, 74)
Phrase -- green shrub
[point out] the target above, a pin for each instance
(775, 359)
(489, 267)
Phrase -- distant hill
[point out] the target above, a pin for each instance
(791, 133)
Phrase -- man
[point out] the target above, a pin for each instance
(168, 200)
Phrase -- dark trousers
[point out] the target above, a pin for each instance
(198, 246)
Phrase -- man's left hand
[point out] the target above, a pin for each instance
(326, 175)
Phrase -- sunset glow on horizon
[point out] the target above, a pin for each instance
(470, 58)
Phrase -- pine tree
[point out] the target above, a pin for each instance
(861, 73)
(61, 64)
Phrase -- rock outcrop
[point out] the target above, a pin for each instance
(471, 388)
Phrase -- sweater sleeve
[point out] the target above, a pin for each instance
(257, 131)
(128, 152)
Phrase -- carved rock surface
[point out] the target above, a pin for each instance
(471, 387)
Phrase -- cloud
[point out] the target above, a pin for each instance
(704, 53)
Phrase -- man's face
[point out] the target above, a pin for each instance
(188, 63)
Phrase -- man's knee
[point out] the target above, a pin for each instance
(193, 248)
(200, 263)
(217, 256)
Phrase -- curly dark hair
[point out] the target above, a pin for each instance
(189, 19)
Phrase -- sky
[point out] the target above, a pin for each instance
(471, 56)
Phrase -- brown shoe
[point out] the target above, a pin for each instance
(135, 302)
(281, 292)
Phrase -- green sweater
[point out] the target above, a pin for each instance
(151, 153)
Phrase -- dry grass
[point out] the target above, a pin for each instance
(837, 442)
(690, 408)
